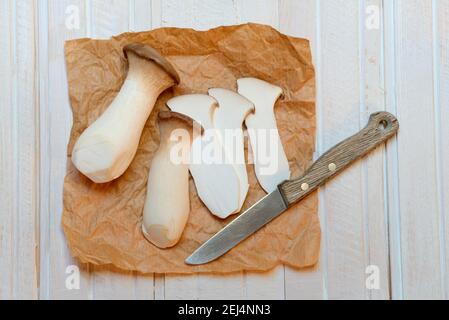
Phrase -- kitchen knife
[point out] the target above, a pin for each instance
(381, 127)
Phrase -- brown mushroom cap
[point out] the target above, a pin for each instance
(149, 53)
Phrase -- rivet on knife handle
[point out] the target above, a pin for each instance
(381, 127)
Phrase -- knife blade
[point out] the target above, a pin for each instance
(381, 127)
(240, 228)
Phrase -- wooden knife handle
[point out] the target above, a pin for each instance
(381, 127)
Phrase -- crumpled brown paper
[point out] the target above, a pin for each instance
(102, 222)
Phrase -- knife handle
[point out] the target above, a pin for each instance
(381, 127)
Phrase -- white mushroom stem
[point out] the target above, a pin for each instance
(216, 181)
(167, 204)
(106, 148)
(270, 162)
(228, 121)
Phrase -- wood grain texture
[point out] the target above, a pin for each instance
(58, 21)
(418, 201)
(26, 216)
(340, 117)
(388, 210)
(441, 90)
(374, 168)
(392, 162)
(380, 128)
(19, 161)
(6, 152)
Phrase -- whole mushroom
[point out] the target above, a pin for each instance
(106, 148)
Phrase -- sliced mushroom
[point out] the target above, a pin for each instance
(216, 181)
(228, 120)
(270, 162)
(106, 148)
(167, 204)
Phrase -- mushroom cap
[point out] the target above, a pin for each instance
(233, 108)
(263, 94)
(151, 54)
(198, 107)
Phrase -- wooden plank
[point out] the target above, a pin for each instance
(392, 161)
(26, 217)
(301, 19)
(373, 168)
(421, 270)
(343, 204)
(58, 21)
(419, 209)
(441, 45)
(7, 204)
(19, 161)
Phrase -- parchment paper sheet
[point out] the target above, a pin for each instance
(102, 222)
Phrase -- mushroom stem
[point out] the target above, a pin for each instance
(228, 121)
(106, 148)
(270, 162)
(167, 204)
(216, 181)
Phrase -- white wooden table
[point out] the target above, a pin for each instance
(389, 211)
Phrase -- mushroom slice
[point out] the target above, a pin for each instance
(270, 162)
(106, 148)
(167, 204)
(228, 121)
(216, 181)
